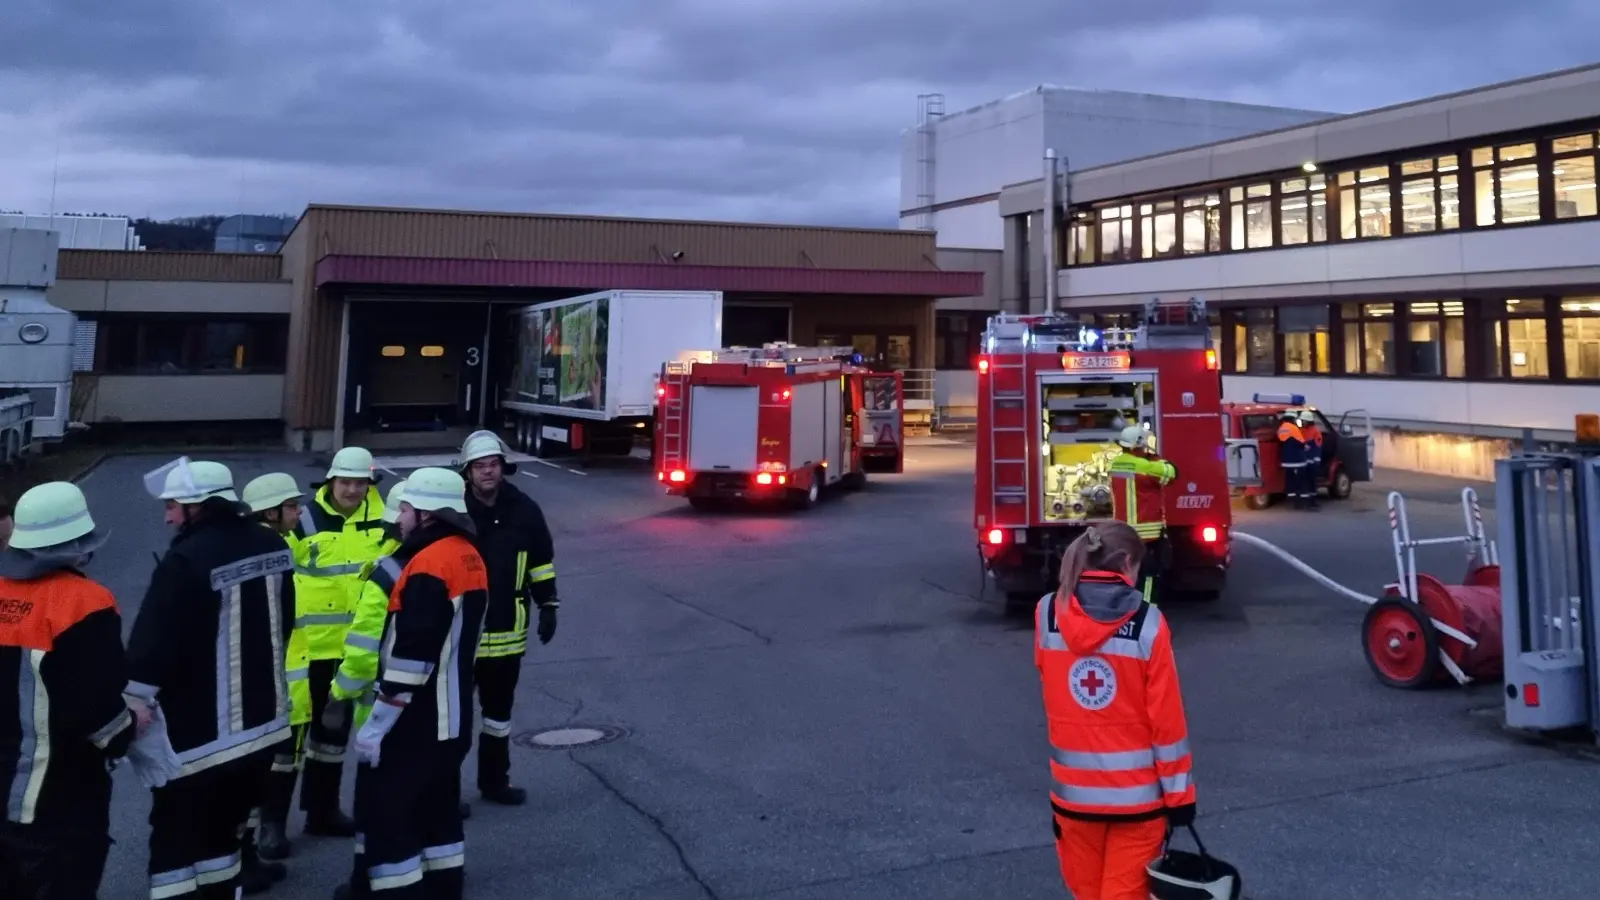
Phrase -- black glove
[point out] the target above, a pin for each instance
(547, 623)
(336, 716)
(1180, 816)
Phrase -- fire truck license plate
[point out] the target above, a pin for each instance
(1095, 361)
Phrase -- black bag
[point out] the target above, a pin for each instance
(1181, 875)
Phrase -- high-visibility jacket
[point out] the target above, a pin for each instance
(1119, 741)
(297, 657)
(1291, 446)
(430, 640)
(330, 551)
(359, 668)
(1312, 435)
(1136, 492)
(62, 715)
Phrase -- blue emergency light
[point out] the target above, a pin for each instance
(856, 358)
(1090, 340)
(1285, 399)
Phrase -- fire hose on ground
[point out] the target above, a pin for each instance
(1405, 630)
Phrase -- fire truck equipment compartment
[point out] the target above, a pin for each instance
(808, 441)
(722, 433)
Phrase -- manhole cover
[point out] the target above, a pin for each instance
(569, 737)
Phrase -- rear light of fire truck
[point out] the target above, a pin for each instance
(661, 392)
(676, 476)
(1208, 534)
(996, 536)
(1211, 360)
(769, 478)
(983, 365)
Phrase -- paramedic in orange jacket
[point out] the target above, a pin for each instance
(1119, 742)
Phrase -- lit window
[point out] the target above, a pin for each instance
(1305, 338)
(1573, 174)
(1202, 224)
(1515, 339)
(1437, 342)
(1158, 229)
(393, 351)
(1429, 196)
(1580, 336)
(1368, 338)
(1116, 233)
(432, 351)
(1364, 203)
(1303, 210)
(1507, 183)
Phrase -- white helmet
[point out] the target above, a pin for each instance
(271, 491)
(1132, 437)
(1182, 875)
(51, 515)
(434, 490)
(480, 444)
(191, 482)
(353, 462)
(391, 503)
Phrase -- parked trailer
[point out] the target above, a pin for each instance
(586, 367)
(778, 423)
(36, 338)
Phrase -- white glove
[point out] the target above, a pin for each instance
(151, 754)
(369, 739)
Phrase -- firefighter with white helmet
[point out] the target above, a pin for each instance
(1138, 478)
(340, 531)
(410, 748)
(517, 547)
(209, 645)
(60, 651)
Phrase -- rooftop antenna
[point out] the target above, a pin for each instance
(55, 178)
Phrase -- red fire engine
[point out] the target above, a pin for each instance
(780, 422)
(1053, 397)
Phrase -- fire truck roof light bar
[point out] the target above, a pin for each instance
(1285, 399)
(1165, 324)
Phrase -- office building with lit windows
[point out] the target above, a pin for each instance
(1435, 263)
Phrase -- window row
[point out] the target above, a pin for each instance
(1547, 338)
(958, 338)
(189, 345)
(1544, 179)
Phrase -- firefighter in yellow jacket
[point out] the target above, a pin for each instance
(340, 531)
(352, 684)
(1139, 479)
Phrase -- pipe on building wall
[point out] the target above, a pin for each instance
(1049, 232)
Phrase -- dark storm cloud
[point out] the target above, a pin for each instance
(753, 109)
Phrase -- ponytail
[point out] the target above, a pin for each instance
(1100, 546)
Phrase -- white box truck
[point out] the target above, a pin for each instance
(586, 367)
(36, 338)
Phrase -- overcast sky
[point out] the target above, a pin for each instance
(725, 109)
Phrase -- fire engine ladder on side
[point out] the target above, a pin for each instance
(1007, 339)
(675, 379)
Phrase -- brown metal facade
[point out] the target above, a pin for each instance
(359, 231)
(155, 265)
(341, 231)
(392, 270)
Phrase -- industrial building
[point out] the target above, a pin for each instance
(1436, 263)
(306, 338)
(954, 166)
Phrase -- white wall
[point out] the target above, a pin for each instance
(1485, 408)
(975, 227)
(1536, 255)
(957, 390)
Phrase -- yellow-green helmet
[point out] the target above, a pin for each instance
(391, 503)
(270, 491)
(353, 462)
(434, 489)
(50, 515)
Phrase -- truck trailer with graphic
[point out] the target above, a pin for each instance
(1053, 397)
(584, 378)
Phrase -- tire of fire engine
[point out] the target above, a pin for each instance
(1258, 502)
(702, 504)
(1021, 603)
(807, 498)
(855, 481)
(1339, 486)
(1401, 644)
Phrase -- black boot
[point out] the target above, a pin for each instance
(505, 795)
(255, 875)
(272, 842)
(330, 822)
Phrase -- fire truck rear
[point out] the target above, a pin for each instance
(780, 422)
(1053, 397)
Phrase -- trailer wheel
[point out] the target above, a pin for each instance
(1339, 485)
(1401, 644)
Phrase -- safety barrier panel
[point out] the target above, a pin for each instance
(1549, 527)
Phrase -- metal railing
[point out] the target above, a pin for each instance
(917, 387)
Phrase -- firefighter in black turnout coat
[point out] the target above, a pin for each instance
(520, 556)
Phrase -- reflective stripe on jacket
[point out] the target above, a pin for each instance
(330, 552)
(62, 715)
(1118, 735)
(1137, 494)
(363, 641)
(516, 545)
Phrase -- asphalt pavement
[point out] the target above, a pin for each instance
(826, 704)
